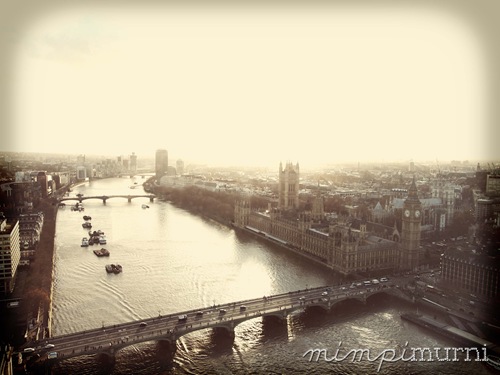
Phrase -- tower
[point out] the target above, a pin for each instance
(288, 186)
(133, 163)
(10, 255)
(318, 209)
(179, 167)
(161, 164)
(410, 231)
(241, 213)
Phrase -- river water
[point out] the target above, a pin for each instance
(174, 261)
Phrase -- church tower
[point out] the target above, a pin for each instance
(289, 187)
(410, 230)
(318, 208)
(241, 213)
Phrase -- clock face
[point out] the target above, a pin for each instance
(417, 213)
(407, 213)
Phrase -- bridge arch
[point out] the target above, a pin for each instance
(104, 198)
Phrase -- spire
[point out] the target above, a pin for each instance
(413, 192)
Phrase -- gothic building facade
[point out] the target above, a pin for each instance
(288, 189)
(338, 244)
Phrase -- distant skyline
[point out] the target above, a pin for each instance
(253, 84)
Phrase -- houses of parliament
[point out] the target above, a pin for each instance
(343, 245)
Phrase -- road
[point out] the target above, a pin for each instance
(170, 327)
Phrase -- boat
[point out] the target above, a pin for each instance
(102, 239)
(113, 268)
(85, 242)
(102, 252)
(145, 206)
(85, 217)
(87, 225)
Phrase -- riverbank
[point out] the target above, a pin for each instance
(31, 319)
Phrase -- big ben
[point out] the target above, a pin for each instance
(410, 233)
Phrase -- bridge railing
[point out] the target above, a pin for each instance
(206, 308)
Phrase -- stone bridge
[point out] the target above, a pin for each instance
(104, 198)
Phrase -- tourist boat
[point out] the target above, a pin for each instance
(102, 239)
(87, 225)
(113, 268)
(85, 242)
(102, 252)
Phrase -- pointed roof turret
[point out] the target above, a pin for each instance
(413, 192)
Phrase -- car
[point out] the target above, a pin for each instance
(243, 308)
(324, 293)
(182, 318)
(199, 313)
(302, 298)
(384, 279)
(49, 346)
(143, 324)
(222, 311)
(52, 355)
(28, 350)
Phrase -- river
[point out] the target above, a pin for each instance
(174, 261)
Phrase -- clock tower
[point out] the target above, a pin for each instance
(410, 231)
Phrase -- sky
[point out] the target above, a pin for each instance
(252, 84)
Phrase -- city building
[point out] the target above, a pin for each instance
(288, 189)
(493, 185)
(30, 228)
(411, 231)
(477, 273)
(133, 163)
(10, 254)
(344, 244)
(81, 173)
(80, 160)
(179, 164)
(161, 164)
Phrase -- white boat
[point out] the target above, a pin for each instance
(85, 242)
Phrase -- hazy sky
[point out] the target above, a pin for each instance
(252, 84)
